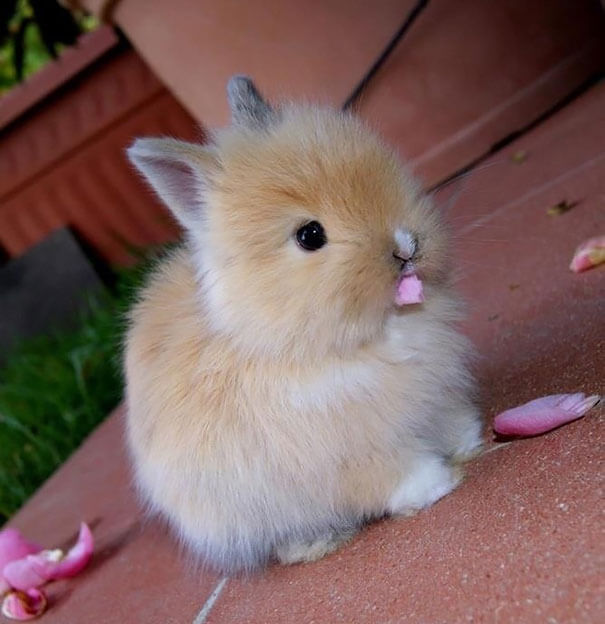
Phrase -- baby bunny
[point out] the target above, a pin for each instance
(282, 388)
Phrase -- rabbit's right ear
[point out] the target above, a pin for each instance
(248, 107)
(178, 172)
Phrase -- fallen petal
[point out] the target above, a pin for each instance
(22, 574)
(544, 414)
(77, 558)
(48, 565)
(409, 290)
(589, 254)
(18, 605)
(13, 546)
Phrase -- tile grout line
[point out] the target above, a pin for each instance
(201, 617)
(496, 447)
(528, 195)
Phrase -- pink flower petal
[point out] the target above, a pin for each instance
(409, 290)
(78, 556)
(48, 565)
(13, 546)
(544, 414)
(22, 574)
(589, 254)
(22, 606)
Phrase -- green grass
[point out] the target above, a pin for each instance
(35, 55)
(55, 389)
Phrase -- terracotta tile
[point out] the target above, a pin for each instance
(468, 75)
(138, 573)
(294, 49)
(463, 78)
(526, 306)
(554, 153)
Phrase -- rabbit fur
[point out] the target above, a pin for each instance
(277, 398)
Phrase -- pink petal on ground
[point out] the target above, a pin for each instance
(48, 565)
(589, 254)
(22, 574)
(13, 546)
(409, 290)
(78, 556)
(22, 606)
(544, 414)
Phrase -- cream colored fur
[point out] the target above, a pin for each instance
(277, 398)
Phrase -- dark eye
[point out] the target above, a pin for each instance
(311, 236)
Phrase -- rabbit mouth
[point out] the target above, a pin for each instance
(408, 266)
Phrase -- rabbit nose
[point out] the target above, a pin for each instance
(406, 245)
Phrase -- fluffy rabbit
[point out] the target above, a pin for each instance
(278, 396)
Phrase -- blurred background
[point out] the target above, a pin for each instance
(449, 82)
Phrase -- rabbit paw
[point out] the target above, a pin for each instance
(429, 479)
(304, 552)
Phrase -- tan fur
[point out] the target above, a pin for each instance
(277, 397)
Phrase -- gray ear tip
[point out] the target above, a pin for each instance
(248, 107)
(238, 84)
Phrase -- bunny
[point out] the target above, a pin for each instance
(284, 385)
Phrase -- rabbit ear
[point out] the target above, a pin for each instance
(178, 172)
(248, 108)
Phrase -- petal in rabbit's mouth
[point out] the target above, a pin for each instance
(409, 289)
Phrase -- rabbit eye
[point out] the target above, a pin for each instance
(311, 236)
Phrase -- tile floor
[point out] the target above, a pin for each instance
(520, 541)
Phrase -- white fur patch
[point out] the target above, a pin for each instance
(471, 440)
(428, 480)
(211, 286)
(341, 381)
(405, 242)
(399, 344)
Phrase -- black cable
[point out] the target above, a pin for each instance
(409, 20)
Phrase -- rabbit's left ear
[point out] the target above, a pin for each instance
(248, 108)
(179, 172)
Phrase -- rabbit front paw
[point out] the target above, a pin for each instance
(305, 552)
